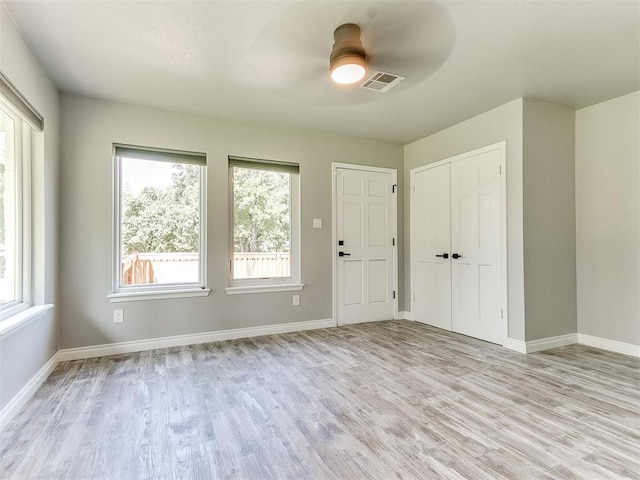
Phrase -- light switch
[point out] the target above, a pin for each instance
(317, 223)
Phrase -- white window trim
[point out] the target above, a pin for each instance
(132, 293)
(158, 294)
(274, 284)
(25, 228)
(23, 264)
(285, 287)
(20, 313)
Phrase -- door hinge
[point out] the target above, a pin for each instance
(394, 294)
(414, 189)
(393, 242)
(393, 188)
(500, 169)
(413, 297)
(501, 313)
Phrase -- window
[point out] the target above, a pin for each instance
(18, 122)
(265, 253)
(159, 223)
(10, 208)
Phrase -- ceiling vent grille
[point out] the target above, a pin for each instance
(382, 81)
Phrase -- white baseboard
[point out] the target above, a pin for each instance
(551, 342)
(405, 316)
(611, 345)
(516, 345)
(26, 392)
(570, 339)
(541, 344)
(192, 339)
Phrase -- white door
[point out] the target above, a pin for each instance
(477, 242)
(430, 246)
(365, 274)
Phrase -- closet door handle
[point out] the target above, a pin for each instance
(444, 255)
(456, 255)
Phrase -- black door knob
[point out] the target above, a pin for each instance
(444, 255)
(456, 255)
(342, 254)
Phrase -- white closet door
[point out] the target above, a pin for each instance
(431, 263)
(476, 237)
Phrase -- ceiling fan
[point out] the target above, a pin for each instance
(377, 43)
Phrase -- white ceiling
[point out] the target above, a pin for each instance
(267, 61)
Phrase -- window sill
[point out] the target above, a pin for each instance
(158, 295)
(15, 322)
(285, 287)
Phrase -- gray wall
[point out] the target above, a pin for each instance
(502, 123)
(89, 128)
(608, 219)
(24, 352)
(549, 220)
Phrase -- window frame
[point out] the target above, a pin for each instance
(23, 141)
(125, 293)
(270, 284)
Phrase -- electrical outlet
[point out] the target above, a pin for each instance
(118, 316)
(317, 223)
(296, 300)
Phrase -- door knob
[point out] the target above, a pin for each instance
(444, 255)
(342, 254)
(456, 255)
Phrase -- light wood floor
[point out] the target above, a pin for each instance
(388, 400)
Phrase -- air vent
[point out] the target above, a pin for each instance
(382, 81)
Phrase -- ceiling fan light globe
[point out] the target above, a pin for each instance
(348, 70)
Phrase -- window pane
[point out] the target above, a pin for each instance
(160, 222)
(8, 253)
(261, 223)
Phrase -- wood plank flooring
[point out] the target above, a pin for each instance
(388, 400)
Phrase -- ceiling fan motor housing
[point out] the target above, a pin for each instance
(347, 43)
